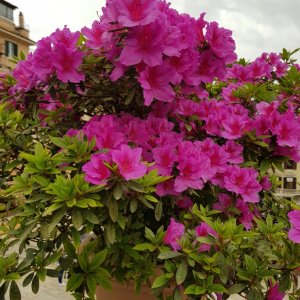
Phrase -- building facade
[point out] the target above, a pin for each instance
(289, 181)
(14, 38)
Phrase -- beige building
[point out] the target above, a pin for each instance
(289, 181)
(14, 38)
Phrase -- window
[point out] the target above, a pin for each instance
(290, 165)
(11, 49)
(289, 183)
(6, 12)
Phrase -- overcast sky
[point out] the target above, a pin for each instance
(257, 25)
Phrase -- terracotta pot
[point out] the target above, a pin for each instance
(127, 292)
(124, 292)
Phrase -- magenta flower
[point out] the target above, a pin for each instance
(287, 131)
(65, 37)
(235, 152)
(129, 162)
(203, 230)
(67, 62)
(94, 35)
(294, 232)
(184, 202)
(243, 181)
(95, 170)
(165, 158)
(143, 44)
(246, 215)
(155, 82)
(221, 42)
(173, 234)
(136, 12)
(273, 292)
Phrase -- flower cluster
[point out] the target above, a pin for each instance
(57, 55)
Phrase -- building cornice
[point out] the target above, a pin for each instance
(19, 37)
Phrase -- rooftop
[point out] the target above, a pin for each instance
(8, 4)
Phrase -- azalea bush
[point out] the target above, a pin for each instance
(147, 134)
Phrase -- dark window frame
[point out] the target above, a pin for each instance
(290, 165)
(6, 12)
(290, 185)
(11, 49)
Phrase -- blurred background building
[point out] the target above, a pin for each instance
(289, 181)
(14, 37)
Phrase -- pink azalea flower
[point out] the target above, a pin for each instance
(221, 42)
(41, 60)
(210, 67)
(273, 292)
(143, 44)
(67, 62)
(294, 232)
(246, 215)
(95, 170)
(224, 203)
(155, 82)
(95, 34)
(243, 181)
(165, 158)
(25, 76)
(65, 37)
(136, 12)
(233, 127)
(287, 131)
(166, 188)
(184, 202)
(129, 162)
(204, 230)
(173, 234)
(105, 138)
(266, 183)
(235, 152)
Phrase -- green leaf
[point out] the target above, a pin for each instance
(118, 191)
(99, 258)
(177, 294)
(160, 281)
(110, 233)
(77, 219)
(262, 144)
(27, 280)
(216, 288)
(52, 208)
(91, 284)
(113, 209)
(70, 249)
(158, 211)
(133, 205)
(181, 273)
(14, 291)
(41, 274)
(236, 288)
(12, 276)
(251, 265)
(75, 282)
(35, 284)
(265, 165)
(91, 217)
(144, 246)
(194, 289)
(169, 254)
(151, 198)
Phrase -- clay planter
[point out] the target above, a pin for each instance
(124, 292)
(127, 292)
